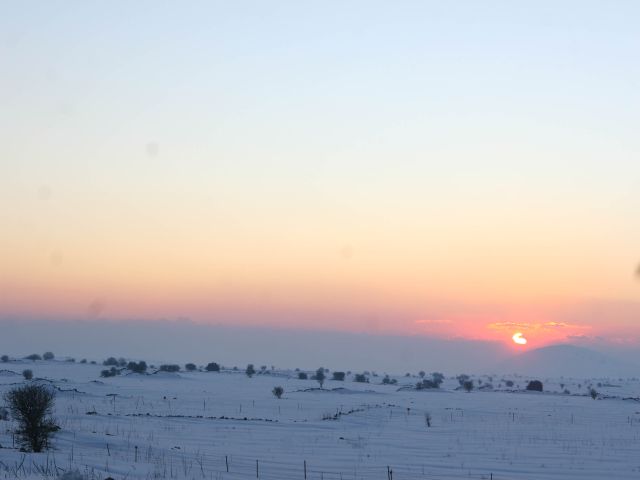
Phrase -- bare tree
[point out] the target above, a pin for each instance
(31, 406)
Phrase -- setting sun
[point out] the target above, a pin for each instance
(519, 339)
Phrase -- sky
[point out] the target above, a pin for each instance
(446, 170)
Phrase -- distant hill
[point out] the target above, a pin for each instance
(569, 361)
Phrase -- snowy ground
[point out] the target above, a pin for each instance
(194, 425)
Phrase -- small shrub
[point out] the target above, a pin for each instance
(33, 357)
(509, 383)
(320, 376)
(462, 378)
(250, 370)
(48, 356)
(84, 360)
(111, 361)
(277, 392)
(567, 391)
(190, 367)
(594, 393)
(386, 380)
(360, 378)
(437, 378)
(421, 373)
(27, 374)
(302, 376)
(4, 358)
(4, 414)
(468, 385)
(339, 376)
(31, 406)
(427, 384)
(137, 367)
(112, 372)
(534, 386)
(169, 368)
(212, 367)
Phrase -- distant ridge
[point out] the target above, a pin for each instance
(568, 361)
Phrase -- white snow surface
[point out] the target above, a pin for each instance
(191, 425)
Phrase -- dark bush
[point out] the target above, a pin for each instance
(27, 374)
(33, 356)
(427, 384)
(535, 385)
(84, 360)
(339, 376)
(302, 376)
(112, 372)
(437, 378)
(421, 373)
(250, 371)
(593, 393)
(48, 356)
(212, 367)
(190, 367)
(4, 414)
(111, 361)
(320, 376)
(389, 381)
(360, 378)
(277, 391)
(4, 358)
(468, 385)
(137, 367)
(169, 368)
(31, 406)
(509, 383)
(462, 378)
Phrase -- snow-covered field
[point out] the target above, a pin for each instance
(228, 426)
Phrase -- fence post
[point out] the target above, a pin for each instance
(257, 475)
(226, 461)
(305, 470)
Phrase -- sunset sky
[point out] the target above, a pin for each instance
(448, 169)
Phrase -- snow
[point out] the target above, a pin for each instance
(191, 425)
